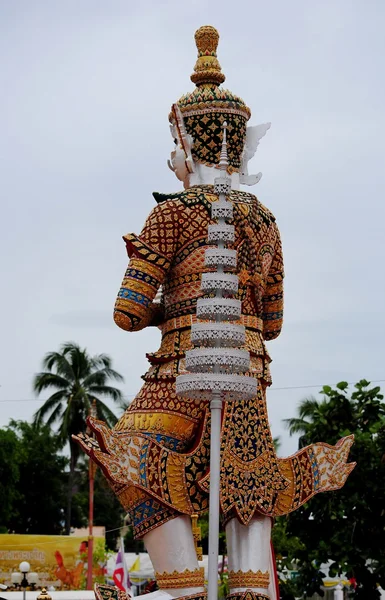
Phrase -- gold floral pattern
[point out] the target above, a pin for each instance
(248, 579)
(184, 579)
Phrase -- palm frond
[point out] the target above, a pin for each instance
(78, 378)
(105, 413)
(101, 376)
(55, 415)
(49, 405)
(45, 380)
(100, 361)
(296, 425)
(73, 420)
(106, 390)
(68, 347)
(78, 359)
(308, 407)
(60, 363)
(124, 404)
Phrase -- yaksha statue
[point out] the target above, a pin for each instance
(157, 457)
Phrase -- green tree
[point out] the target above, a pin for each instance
(40, 503)
(347, 526)
(78, 380)
(286, 548)
(9, 476)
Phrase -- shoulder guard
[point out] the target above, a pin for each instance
(265, 213)
(262, 211)
(159, 198)
(190, 197)
(199, 195)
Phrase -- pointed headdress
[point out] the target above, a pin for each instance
(206, 108)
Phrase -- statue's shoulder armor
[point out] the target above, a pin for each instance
(160, 198)
(190, 197)
(200, 195)
(264, 213)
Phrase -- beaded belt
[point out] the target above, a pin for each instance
(187, 320)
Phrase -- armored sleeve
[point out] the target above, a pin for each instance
(273, 296)
(151, 254)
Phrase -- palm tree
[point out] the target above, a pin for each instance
(310, 411)
(78, 380)
(334, 413)
(277, 443)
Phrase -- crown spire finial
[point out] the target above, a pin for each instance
(207, 69)
(223, 160)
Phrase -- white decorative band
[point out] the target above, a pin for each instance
(221, 257)
(219, 281)
(221, 233)
(230, 387)
(223, 334)
(226, 359)
(228, 309)
(222, 185)
(222, 209)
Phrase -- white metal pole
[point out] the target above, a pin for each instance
(215, 468)
(215, 465)
(339, 592)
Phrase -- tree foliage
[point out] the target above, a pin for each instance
(346, 527)
(33, 473)
(33, 480)
(79, 380)
(9, 476)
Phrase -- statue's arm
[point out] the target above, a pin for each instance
(273, 296)
(150, 255)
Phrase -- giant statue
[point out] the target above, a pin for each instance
(157, 457)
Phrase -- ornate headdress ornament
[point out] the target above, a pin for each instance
(206, 108)
(207, 68)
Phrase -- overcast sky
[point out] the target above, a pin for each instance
(86, 87)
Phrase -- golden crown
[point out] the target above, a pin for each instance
(205, 109)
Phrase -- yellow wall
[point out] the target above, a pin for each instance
(39, 551)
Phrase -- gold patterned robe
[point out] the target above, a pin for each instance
(170, 252)
(157, 456)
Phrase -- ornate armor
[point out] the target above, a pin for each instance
(170, 252)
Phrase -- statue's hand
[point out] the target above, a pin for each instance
(332, 463)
